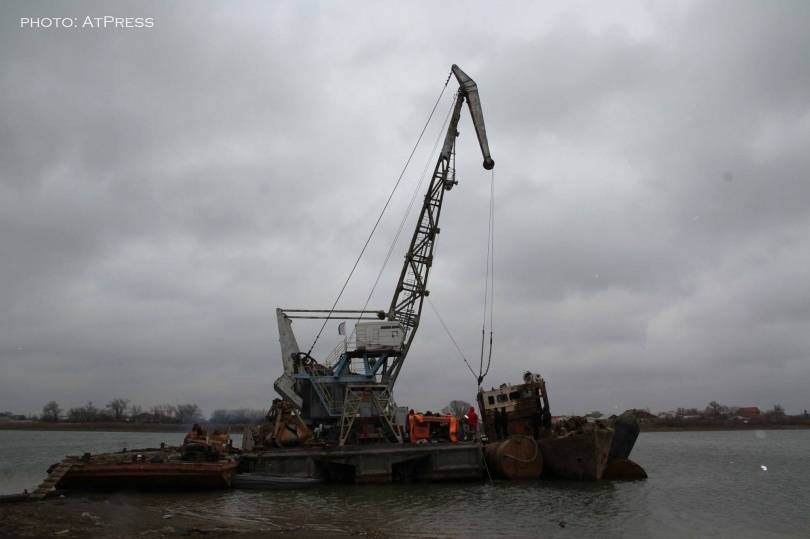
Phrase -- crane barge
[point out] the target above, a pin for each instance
(329, 408)
(353, 386)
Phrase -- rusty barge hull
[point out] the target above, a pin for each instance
(149, 476)
(383, 463)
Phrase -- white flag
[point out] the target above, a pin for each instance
(342, 328)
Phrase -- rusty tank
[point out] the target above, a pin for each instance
(517, 457)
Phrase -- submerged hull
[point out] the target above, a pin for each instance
(573, 448)
(577, 455)
(273, 481)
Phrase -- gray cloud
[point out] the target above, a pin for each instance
(162, 191)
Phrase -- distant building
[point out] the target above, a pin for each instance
(749, 411)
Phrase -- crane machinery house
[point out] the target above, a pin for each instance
(378, 336)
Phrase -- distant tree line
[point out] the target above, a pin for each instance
(120, 410)
(716, 415)
(238, 416)
(721, 411)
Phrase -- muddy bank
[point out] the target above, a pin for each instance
(126, 515)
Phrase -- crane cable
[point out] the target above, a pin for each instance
(489, 296)
(416, 191)
(489, 284)
(379, 218)
(489, 280)
(447, 330)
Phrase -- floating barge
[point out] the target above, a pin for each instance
(204, 461)
(105, 472)
(143, 469)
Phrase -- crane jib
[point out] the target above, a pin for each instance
(411, 289)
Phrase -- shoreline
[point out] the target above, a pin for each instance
(125, 514)
(113, 427)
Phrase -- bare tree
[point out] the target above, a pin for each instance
(714, 409)
(777, 411)
(83, 414)
(118, 407)
(164, 413)
(188, 413)
(51, 411)
(238, 416)
(457, 408)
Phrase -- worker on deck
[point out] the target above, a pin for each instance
(501, 424)
(472, 423)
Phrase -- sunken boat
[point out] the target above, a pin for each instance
(523, 441)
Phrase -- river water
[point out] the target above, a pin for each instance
(741, 484)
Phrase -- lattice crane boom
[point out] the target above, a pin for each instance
(411, 289)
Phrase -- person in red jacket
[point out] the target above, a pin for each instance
(472, 423)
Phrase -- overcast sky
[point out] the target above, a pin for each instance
(163, 190)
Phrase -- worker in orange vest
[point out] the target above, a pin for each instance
(472, 423)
